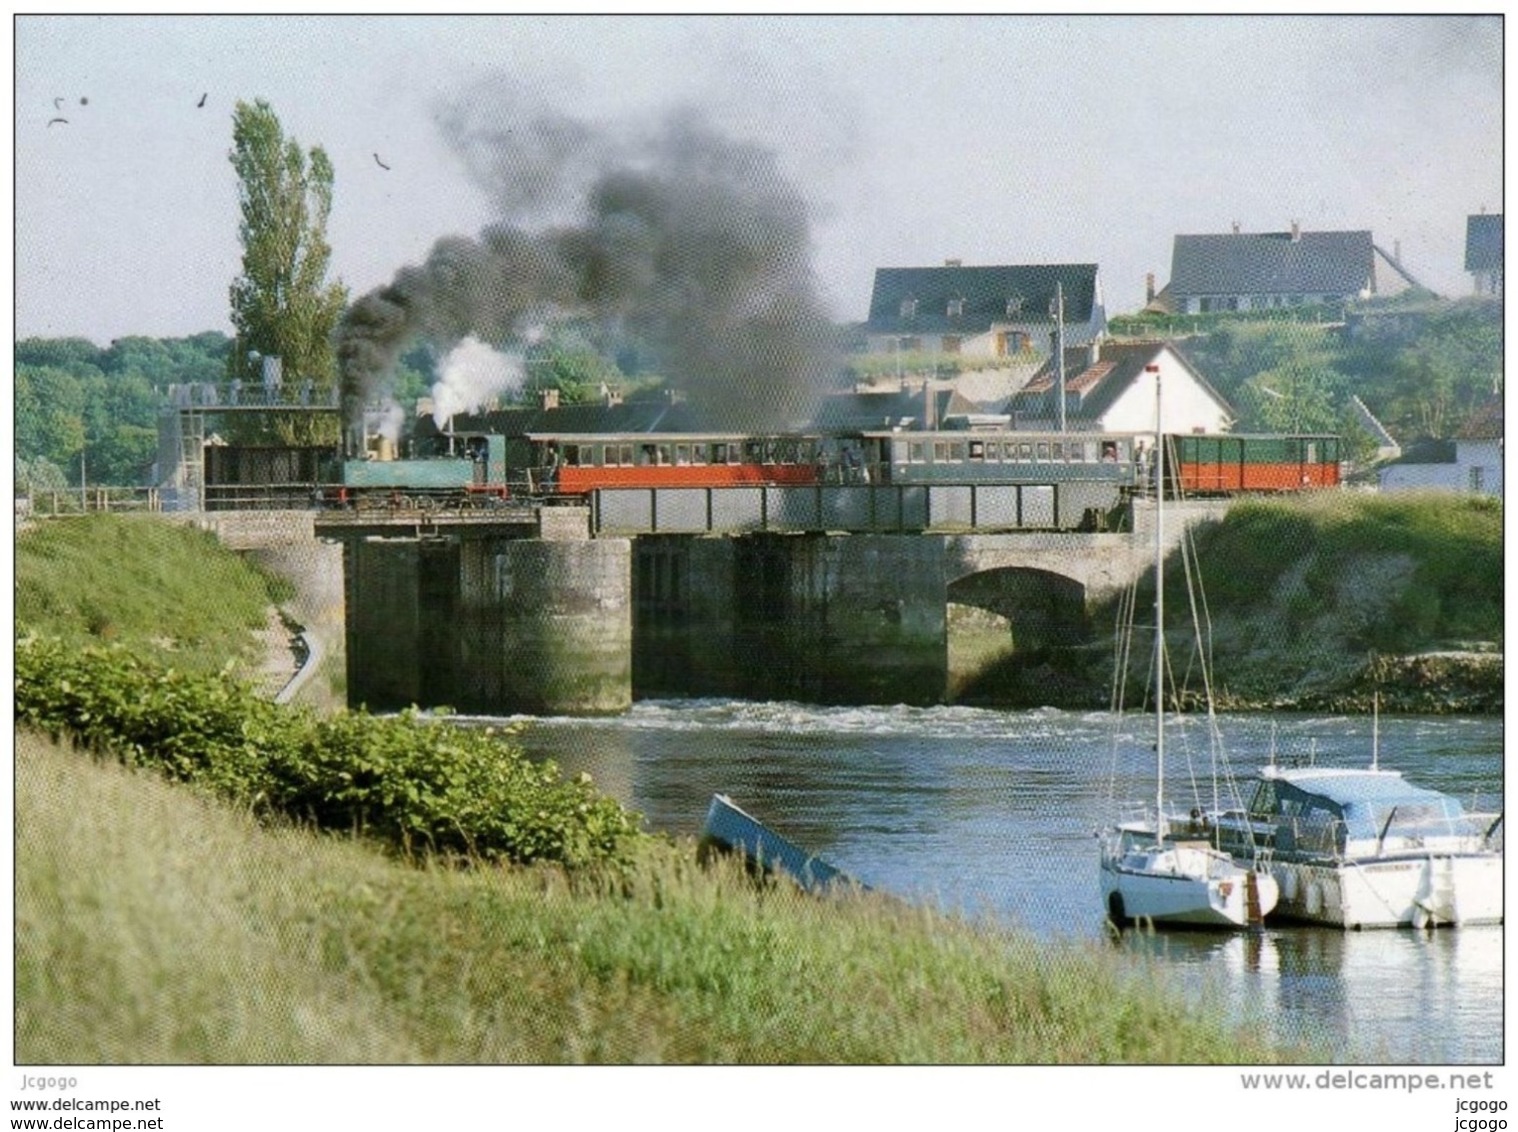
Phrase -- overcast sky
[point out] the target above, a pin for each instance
(994, 140)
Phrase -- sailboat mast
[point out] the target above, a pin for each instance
(1157, 460)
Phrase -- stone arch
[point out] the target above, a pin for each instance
(1004, 625)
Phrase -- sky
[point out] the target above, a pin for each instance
(992, 140)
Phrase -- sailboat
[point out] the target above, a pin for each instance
(1151, 871)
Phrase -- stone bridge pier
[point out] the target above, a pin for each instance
(503, 621)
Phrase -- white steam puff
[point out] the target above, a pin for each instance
(391, 421)
(471, 374)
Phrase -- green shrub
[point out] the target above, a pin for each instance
(417, 785)
(426, 783)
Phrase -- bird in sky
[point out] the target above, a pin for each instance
(380, 163)
(202, 101)
(52, 121)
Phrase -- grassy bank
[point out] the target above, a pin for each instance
(1325, 602)
(155, 926)
(1333, 600)
(167, 591)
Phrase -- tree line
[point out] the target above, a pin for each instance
(1422, 369)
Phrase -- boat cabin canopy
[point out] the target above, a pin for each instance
(1365, 801)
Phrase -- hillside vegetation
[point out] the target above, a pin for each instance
(167, 591)
(156, 927)
(1331, 601)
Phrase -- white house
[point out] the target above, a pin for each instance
(1471, 462)
(1110, 387)
(992, 312)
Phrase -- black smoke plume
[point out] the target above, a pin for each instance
(692, 241)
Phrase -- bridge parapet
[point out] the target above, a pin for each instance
(852, 508)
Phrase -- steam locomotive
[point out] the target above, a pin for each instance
(1086, 470)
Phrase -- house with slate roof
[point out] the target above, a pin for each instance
(994, 312)
(1244, 271)
(1110, 388)
(1483, 252)
(1471, 461)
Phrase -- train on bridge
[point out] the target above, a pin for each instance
(1086, 474)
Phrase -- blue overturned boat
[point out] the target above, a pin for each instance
(729, 829)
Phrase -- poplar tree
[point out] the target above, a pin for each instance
(281, 304)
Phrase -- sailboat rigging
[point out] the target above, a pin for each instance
(1147, 874)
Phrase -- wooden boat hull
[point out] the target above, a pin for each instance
(728, 828)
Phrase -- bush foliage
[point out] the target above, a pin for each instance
(422, 786)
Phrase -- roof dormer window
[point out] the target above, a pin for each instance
(908, 308)
(956, 307)
(1014, 305)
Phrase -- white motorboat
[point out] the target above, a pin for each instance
(1367, 849)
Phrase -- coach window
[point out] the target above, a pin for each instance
(682, 454)
(1057, 451)
(977, 450)
(1043, 449)
(719, 452)
(940, 452)
(917, 453)
(698, 453)
(957, 451)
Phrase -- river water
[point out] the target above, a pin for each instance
(994, 813)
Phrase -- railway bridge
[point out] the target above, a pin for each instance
(551, 611)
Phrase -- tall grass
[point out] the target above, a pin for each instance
(1450, 586)
(155, 926)
(164, 589)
